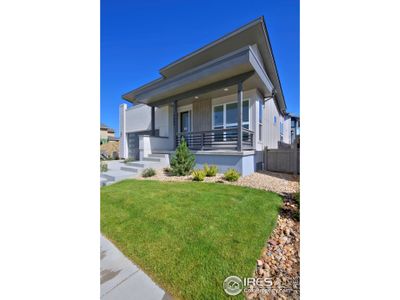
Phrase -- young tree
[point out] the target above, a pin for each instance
(183, 160)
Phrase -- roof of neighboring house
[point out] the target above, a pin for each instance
(293, 116)
(106, 127)
(253, 33)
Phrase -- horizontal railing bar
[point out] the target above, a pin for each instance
(217, 139)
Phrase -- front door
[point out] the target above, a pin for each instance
(185, 121)
(185, 125)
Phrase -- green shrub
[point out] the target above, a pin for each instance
(231, 175)
(210, 171)
(297, 198)
(296, 214)
(183, 160)
(129, 159)
(167, 170)
(198, 175)
(103, 166)
(149, 172)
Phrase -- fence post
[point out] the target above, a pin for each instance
(294, 157)
(265, 158)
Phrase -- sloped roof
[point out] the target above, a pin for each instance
(255, 32)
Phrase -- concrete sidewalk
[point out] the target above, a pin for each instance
(120, 279)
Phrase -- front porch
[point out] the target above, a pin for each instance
(208, 124)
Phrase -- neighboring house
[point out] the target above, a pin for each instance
(107, 134)
(293, 123)
(225, 99)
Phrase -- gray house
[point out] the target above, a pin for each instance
(225, 99)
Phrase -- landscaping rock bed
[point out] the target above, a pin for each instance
(280, 259)
(276, 182)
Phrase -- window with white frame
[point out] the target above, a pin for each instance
(260, 119)
(225, 117)
(281, 131)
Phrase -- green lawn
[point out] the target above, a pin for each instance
(189, 236)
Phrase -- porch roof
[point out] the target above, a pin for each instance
(220, 60)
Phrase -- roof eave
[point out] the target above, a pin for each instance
(213, 43)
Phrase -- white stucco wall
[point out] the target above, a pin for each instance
(162, 120)
(123, 145)
(138, 118)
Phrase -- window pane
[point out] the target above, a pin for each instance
(231, 113)
(260, 111)
(260, 132)
(245, 111)
(218, 116)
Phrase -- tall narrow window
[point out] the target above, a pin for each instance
(260, 119)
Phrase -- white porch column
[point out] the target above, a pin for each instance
(123, 143)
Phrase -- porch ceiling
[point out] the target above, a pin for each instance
(230, 66)
(252, 82)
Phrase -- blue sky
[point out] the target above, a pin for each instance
(140, 37)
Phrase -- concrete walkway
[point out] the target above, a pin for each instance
(120, 279)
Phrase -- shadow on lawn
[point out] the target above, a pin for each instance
(291, 206)
(285, 176)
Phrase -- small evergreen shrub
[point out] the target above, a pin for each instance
(198, 175)
(149, 172)
(210, 171)
(103, 166)
(231, 175)
(129, 159)
(183, 160)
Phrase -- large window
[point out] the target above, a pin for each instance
(225, 116)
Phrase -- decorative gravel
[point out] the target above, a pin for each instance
(280, 259)
(276, 182)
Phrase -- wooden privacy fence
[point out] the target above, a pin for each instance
(285, 159)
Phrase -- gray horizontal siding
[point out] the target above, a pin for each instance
(202, 115)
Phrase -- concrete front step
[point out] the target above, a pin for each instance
(103, 181)
(117, 175)
(133, 169)
(136, 164)
(154, 159)
(130, 169)
(157, 155)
